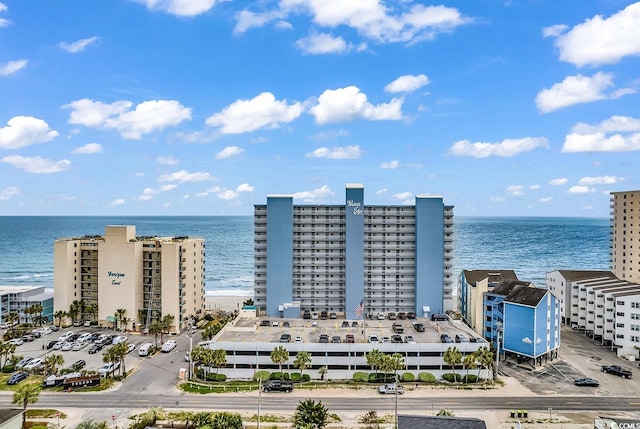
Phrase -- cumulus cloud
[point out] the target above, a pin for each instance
(615, 134)
(534, 187)
(579, 189)
(37, 164)
(322, 43)
(372, 19)
(88, 149)
(146, 117)
(407, 83)
(347, 104)
(183, 176)
(391, 165)
(4, 22)
(229, 152)
(148, 193)
(245, 187)
(12, 67)
(346, 152)
(382, 191)
(23, 131)
(497, 199)
(167, 160)
(405, 196)
(329, 135)
(9, 192)
(579, 89)
(601, 180)
(263, 111)
(315, 196)
(187, 8)
(505, 148)
(559, 181)
(78, 45)
(515, 190)
(545, 200)
(600, 40)
(117, 202)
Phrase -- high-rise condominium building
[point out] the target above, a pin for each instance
(625, 235)
(335, 257)
(148, 277)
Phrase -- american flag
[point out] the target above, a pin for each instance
(360, 308)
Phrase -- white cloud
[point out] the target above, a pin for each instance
(227, 195)
(315, 196)
(601, 40)
(186, 8)
(578, 89)
(497, 199)
(382, 191)
(505, 148)
(78, 45)
(117, 202)
(147, 117)
(330, 135)
(37, 164)
(9, 192)
(167, 160)
(229, 152)
(407, 83)
(323, 43)
(558, 182)
(600, 180)
(245, 187)
(12, 67)
(88, 149)
(347, 104)
(403, 196)
(534, 187)
(23, 131)
(545, 200)
(616, 134)
(372, 19)
(391, 165)
(515, 190)
(183, 176)
(554, 30)
(3, 21)
(346, 152)
(579, 190)
(148, 193)
(263, 111)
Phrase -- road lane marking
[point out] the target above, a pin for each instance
(573, 403)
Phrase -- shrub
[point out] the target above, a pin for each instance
(408, 377)
(451, 378)
(261, 375)
(8, 368)
(426, 377)
(279, 376)
(217, 377)
(295, 377)
(379, 377)
(362, 377)
(306, 377)
(471, 378)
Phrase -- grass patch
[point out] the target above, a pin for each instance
(270, 418)
(44, 413)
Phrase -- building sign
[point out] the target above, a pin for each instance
(356, 206)
(115, 277)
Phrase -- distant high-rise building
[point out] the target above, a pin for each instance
(147, 277)
(625, 235)
(334, 257)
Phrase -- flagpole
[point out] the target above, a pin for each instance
(364, 320)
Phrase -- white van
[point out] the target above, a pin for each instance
(146, 349)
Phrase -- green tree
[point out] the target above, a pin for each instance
(52, 363)
(302, 361)
(154, 329)
(219, 359)
(323, 371)
(453, 358)
(110, 356)
(371, 420)
(484, 357)
(374, 358)
(26, 394)
(202, 419)
(167, 323)
(91, 424)
(226, 420)
(6, 350)
(13, 317)
(58, 315)
(119, 352)
(469, 362)
(279, 355)
(75, 309)
(92, 311)
(36, 313)
(310, 414)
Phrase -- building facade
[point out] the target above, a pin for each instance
(16, 299)
(147, 277)
(333, 258)
(625, 235)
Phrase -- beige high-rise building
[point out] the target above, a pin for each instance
(147, 277)
(625, 235)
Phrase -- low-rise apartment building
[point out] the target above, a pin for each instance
(18, 298)
(561, 282)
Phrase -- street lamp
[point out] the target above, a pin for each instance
(498, 328)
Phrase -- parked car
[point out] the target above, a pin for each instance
(411, 315)
(402, 315)
(78, 365)
(306, 314)
(66, 346)
(439, 318)
(95, 348)
(419, 327)
(17, 377)
(324, 315)
(49, 344)
(285, 338)
(16, 341)
(168, 346)
(345, 324)
(130, 348)
(23, 362)
(298, 340)
(385, 339)
(391, 316)
(617, 370)
(381, 316)
(58, 345)
(444, 338)
(108, 368)
(265, 323)
(64, 336)
(34, 364)
(333, 315)
(373, 339)
(277, 386)
(79, 345)
(396, 338)
(409, 339)
(349, 338)
(354, 324)
(461, 339)
(336, 339)
(119, 339)
(146, 349)
(28, 338)
(586, 382)
(390, 388)
(324, 338)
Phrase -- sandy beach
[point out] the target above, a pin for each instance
(224, 302)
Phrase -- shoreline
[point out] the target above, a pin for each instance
(224, 302)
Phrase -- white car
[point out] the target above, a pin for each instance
(16, 341)
(119, 339)
(373, 339)
(33, 364)
(108, 368)
(390, 388)
(130, 348)
(381, 316)
(84, 337)
(64, 336)
(66, 347)
(58, 345)
(297, 340)
(168, 346)
(79, 345)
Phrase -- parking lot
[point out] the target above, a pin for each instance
(579, 356)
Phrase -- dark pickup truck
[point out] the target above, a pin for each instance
(617, 370)
(277, 386)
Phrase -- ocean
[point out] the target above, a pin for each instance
(532, 246)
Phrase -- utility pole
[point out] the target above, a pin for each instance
(259, 397)
(396, 405)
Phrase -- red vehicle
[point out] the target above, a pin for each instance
(349, 338)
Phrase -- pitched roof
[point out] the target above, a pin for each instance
(505, 287)
(495, 276)
(529, 296)
(440, 422)
(572, 275)
(7, 414)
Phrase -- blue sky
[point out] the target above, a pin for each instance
(204, 107)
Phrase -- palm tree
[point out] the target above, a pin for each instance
(310, 414)
(302, 361)
(58, 315)
(26, 394)
(90, 424)
(323, 371)
(484, 358)
(13, 317)
(91, 310)
(453, 357)
(470, 361)
(110, 356)
(52, 362)
(120, 351)
(155, 329)
(6, 350)
(219, 359)
(279, 355)
(36, 312)
(120, 316)
(374, 358)
(167, 322)
(76, 308)
(28, 311)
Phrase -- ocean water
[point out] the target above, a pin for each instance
(530, 246)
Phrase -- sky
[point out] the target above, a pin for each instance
(206, 107)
